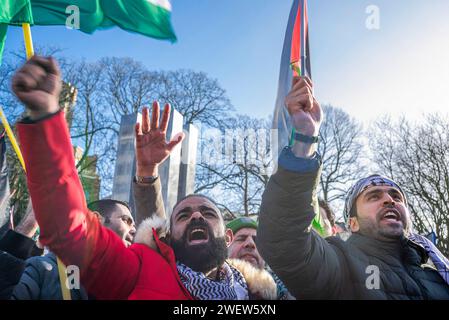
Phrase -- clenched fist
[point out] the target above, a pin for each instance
(38, 85)
(303, 108)
(305, 112)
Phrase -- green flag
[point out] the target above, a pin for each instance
(148, 17)
(14, 12)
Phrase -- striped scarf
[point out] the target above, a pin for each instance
(440, 261)
(230, 284)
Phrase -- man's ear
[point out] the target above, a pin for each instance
(229, 237)
(99, 217)
(354, 224)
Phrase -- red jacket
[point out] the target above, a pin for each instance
(109, 270)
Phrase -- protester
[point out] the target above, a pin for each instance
(15, 247)
(378, 261)
(243, 244)
(110, 270)
(197, 231)
(117, 217)
(40, 280)
(243, 247)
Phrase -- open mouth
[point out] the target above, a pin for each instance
(391, 215)
(128, 240)
(198, 235)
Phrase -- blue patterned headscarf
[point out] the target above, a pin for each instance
(362, 185)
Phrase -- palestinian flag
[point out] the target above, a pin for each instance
(13, 12)
(296, 38)
(295, 61)
(300, 42)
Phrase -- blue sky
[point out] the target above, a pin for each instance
(402, 68)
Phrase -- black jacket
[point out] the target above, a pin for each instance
(15, 248)
(315, 268)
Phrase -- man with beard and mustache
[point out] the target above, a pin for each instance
(108, 269)
(382, 259)
(197, 232)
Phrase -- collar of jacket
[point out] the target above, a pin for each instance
(404, 250)
(260, 283)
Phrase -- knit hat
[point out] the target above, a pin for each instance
(239, 223)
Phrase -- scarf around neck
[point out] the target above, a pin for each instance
(230, 284)
(438, 259)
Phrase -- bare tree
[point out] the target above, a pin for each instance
(195, 95)
(96, 95)
(416, 155)
(341, 149)
(238, 180)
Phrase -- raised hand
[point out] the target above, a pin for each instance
(38, 85)
(152, 147)
(305, 112)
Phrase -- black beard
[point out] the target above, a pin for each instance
(202, 257)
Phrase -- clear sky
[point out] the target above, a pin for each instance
(402, 68)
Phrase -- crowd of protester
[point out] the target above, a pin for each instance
(292, 252)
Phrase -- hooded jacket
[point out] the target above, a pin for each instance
(40, 281)
(109, 270)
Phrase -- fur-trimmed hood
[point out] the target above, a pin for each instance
(260, 283)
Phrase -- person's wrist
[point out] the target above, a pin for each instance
(36, 115)
(303, 149)
(147, 170)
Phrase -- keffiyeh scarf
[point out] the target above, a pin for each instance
(437, 258)
(230, 284)
(362, 185)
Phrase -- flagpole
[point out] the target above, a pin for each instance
(12, 138)
(303, 38)
(28, 39)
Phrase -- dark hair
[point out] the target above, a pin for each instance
(105, 207)
(353, 211)
(329, 213)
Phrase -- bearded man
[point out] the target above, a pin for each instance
(148, 269)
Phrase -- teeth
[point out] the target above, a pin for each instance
(390, 215)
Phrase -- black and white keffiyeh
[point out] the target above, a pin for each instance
(230, 284)
(362, 185)
(437, 258)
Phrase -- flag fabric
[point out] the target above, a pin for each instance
(151, 18)
(4, 183)
(148, 17)
(296, 48)
(13, 12)
(293, 59)
(290, 65)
